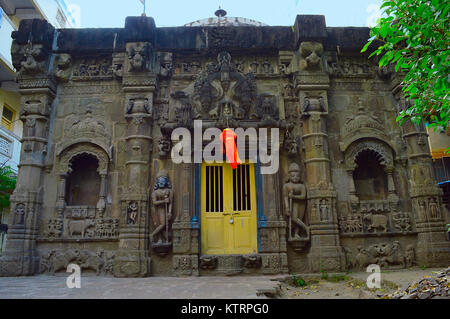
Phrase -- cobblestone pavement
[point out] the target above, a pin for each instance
(137, 288)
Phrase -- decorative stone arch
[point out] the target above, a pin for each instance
(382, 152)
(67, 156)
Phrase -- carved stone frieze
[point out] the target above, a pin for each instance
(185, 265)
(93, 68)
(386, 255)
(55, 261)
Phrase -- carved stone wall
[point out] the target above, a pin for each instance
(116, 97)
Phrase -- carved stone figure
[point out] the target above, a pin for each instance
(132, 213)
(63, 67)
(252, 261)
(164, 146)
(166, 64)
(138, 56)
(314, 104)
(29, 58)
(401, 221)
(162, 200)
(294, 196)
(208, 262)
(19, 217)
(363, 258)
(54, 228)
(266, 109)
(79, 227)
(376, 222)
(290, 142)
(311, 55)
(433, 207)
(324, 210)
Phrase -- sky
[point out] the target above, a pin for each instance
(168, 13)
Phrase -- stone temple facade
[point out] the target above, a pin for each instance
(97, 185)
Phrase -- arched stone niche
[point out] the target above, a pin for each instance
(65, 168)
(382, 155)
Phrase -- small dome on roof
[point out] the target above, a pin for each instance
(224, 21)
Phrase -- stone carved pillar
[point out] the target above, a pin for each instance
(272, 230)
(139, 83)
(392, 195)
(352, 189)
(31, 52)
(312, 85)
(432, 247)
(101, 204)
(61, 201)
(185, 234)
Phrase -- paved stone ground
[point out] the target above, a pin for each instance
(137, 288)
(54, 287)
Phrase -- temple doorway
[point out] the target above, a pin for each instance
(228, 209)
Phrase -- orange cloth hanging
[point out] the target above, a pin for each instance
(228, 138)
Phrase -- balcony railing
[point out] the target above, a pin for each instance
(9, 149)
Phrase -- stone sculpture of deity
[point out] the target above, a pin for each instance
(162, 200)
(294, 197)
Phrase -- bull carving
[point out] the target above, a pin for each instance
(79, 226)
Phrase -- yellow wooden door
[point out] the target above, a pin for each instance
(228, 210)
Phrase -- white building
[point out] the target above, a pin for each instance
(11, 13)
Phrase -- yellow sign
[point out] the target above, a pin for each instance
(228, 212)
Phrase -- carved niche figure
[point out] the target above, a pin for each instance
(422, 210)
(162, 200)
(324, 210)
(311, 55)
(294, 196)
(19, 218)
(266, 108)
(434, 209)
(132, 213)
